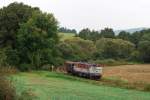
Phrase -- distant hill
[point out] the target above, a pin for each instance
(132, 30)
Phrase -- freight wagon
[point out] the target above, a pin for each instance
(87, 70)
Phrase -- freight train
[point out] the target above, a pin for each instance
(87, 70)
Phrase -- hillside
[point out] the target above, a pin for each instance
(64, 36)
(132, 30)
(53, 86)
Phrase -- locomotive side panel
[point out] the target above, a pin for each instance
(81, 68)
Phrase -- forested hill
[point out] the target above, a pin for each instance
(132, 30)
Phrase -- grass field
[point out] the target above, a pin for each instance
(131, 73)
(64, 36)
(53, 86)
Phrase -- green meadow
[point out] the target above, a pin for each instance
(43, 85)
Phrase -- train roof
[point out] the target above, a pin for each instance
(85, 63)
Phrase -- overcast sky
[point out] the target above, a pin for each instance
(95, 14)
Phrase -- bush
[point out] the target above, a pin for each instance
(25, 67)
(7, 92)
(59, 61)
(47, 67)
(8, 56)
(135, 56)
(114, 48)
(76, 49)
(7, 70)
(3, 58)
(144, 48)
(12, 57)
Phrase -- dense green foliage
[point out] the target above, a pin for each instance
(125, 36)
(127, 46)
(77, 49)
(28, 36)
(36, 40)
(114, 48)
(107, 33)
(95, 35)
(144, 47)
(10, 19)
(88, 34)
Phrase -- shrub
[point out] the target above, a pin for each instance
(135, 56)
(3, 57)
(25, 67)
(59, 61)
(12, 57)
(7, 92)
(47, 67)
(147, 87)
(77, 49)
(114, 48)
(7, 70)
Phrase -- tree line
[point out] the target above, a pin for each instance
(138, 41)
(29, 40)
(66, 30)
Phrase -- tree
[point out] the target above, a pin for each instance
(124, 35)
(77, 49)
(107, 33)
(36, 40)
(10, 18)
(95, 35)
(66, 30)
(144, 48)
(114, 48)
(87, 34)
(137, 36)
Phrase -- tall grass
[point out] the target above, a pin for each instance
(7, 92)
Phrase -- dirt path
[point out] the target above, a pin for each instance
(132, 73)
